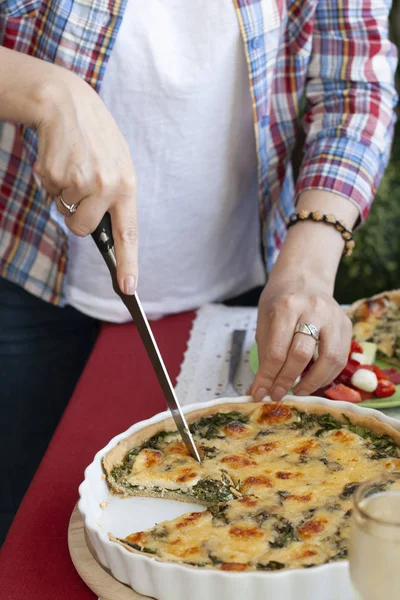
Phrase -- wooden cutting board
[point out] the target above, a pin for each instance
(96, 577)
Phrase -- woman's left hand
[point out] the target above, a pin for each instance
(283, 355)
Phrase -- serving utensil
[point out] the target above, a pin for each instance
(237, 341)
(104, 241)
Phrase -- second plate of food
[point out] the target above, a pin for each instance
(388, 402)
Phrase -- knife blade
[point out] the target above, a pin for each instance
(104, 241)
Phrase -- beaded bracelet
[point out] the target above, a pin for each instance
(347, 235)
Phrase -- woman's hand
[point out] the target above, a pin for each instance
(284, 355)
(300, 289)
(82, 153)
(83, 156)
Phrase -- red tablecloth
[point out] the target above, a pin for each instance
(117, 388)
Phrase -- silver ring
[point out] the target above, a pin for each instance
(307, 329)
(72, 208)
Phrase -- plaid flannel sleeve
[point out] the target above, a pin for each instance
(349, 118)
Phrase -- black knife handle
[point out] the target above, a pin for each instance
(104, 240)
(103, 236)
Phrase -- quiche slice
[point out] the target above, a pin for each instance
(277, 481)
(377, 320)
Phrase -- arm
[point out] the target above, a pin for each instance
(349, 125)
(350, 94)
(73, 128)
(20, 77)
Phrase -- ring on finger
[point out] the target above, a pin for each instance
(307, 329)
(72, 208)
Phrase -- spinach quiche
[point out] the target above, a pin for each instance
(276, 480)
(377, 320)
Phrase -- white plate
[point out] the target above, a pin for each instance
(170, 581)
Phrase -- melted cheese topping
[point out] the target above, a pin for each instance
(296, 478)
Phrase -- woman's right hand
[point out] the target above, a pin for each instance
(84, 156)
(82, 153)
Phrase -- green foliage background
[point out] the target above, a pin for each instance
(375, 264)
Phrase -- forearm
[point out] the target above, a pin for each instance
(23, 84)
(315, 247)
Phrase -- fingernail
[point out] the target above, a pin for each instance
(277, 394)
(260, 394)
(129, 285)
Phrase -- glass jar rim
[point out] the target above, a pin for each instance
(357, 498)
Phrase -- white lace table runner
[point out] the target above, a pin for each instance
(204, 371)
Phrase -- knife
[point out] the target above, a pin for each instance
(103, 238)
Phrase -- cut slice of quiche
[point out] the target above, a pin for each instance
(277, 480)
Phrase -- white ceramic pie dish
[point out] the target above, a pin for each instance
(102, 513)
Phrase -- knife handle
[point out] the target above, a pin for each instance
(103, 236)
(104, 240)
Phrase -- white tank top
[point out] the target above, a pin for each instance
(177, 86)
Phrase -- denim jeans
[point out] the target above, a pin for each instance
(43, 350)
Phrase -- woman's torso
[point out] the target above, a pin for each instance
(177, 86)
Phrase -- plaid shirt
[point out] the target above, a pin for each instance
(335, 53)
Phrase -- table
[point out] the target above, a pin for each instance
(117, 389)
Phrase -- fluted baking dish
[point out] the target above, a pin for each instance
(103, 512)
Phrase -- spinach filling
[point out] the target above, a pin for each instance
(382, 446)
(285, 534)
(332, 465)
(148, 550)
(211, 491)
(209, 451)
(303, 420)
(349, 490)
(139, 548)
(208, 427)
(159, 532)
(262, 516)
(120, 471)
(214, 559)
(206, 491)
(343, 553)
(307, 421)
(378, 488)
(327, 423)
(154, 442)
(219, 513)
(272, 565)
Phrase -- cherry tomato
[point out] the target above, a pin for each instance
(392, 374)
(378, 372)
(366, 395)
(348, 372)
(355, 347)
(343, 392)
(385, 388)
